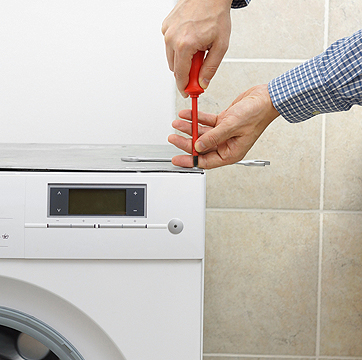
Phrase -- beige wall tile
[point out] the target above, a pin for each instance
(250, 358)
(278, 29)
(293, 179)
(261, 283)
(345, 18)
(343, 169)
(232, 79)
(341, 315)
(337, 358)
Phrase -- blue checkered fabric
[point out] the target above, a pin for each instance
(329, 82)
(239, 3)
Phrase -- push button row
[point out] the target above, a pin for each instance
(97, 226)
(174, 226)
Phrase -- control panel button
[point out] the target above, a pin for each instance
(110, 226)
(59, 226)
(59, 201)
(175, 226)
(134, 226)
(135, 198)
(83, 226)
(35, 225)
(156, 226)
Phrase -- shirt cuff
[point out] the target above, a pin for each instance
(237, 4)
(300, 93)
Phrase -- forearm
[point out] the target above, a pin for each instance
(330, 82)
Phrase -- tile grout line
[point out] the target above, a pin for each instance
(321, 205)
(276, 210)
(319, 291)
(320, 246)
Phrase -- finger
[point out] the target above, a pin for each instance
(182, 66)
(186, 127)
(183, 126)
(183, 161)
(210, 65)
(203, 118)
(170, 55)
(168, 44)
(185, 114)
(181, 142)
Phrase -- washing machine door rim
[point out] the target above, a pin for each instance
(40, 331)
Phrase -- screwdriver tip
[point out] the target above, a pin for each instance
(196, 161)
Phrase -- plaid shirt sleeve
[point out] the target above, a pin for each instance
(329, 82)
(239, 3)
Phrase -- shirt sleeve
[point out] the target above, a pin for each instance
(329, 82)
(236, 4)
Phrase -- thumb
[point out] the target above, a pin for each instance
(210, 65)
(214, 137)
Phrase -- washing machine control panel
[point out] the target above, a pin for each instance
(68, 215)
(97, 200)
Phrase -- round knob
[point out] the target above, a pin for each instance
(175, 226)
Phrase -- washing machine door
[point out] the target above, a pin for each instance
(36, 324)
(24, 337)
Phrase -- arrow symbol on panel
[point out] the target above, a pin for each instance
(59, 210)
(59, 193)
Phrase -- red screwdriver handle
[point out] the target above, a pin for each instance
(193, 87)
(194, 90)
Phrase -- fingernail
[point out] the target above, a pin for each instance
(200, 146)
(204, 83)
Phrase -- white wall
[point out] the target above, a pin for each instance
(84, 71)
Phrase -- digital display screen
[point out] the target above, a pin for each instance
(97, 201)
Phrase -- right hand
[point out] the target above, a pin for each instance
(192, 26)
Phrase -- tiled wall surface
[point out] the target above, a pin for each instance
(284, 242)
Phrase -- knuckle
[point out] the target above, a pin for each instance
(163, 28)
(184, 44)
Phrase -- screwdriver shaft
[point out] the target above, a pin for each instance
(195, 130)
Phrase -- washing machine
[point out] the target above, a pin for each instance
(101, 253)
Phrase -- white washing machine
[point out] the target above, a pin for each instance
(100, 259)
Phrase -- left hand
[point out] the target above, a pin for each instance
(226, 138)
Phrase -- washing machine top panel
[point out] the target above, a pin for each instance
(90, 158)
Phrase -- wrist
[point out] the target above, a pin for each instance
(274, 113)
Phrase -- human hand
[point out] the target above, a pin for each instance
(226, 138)
(192, 26)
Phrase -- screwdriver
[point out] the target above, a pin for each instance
(194, 89)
